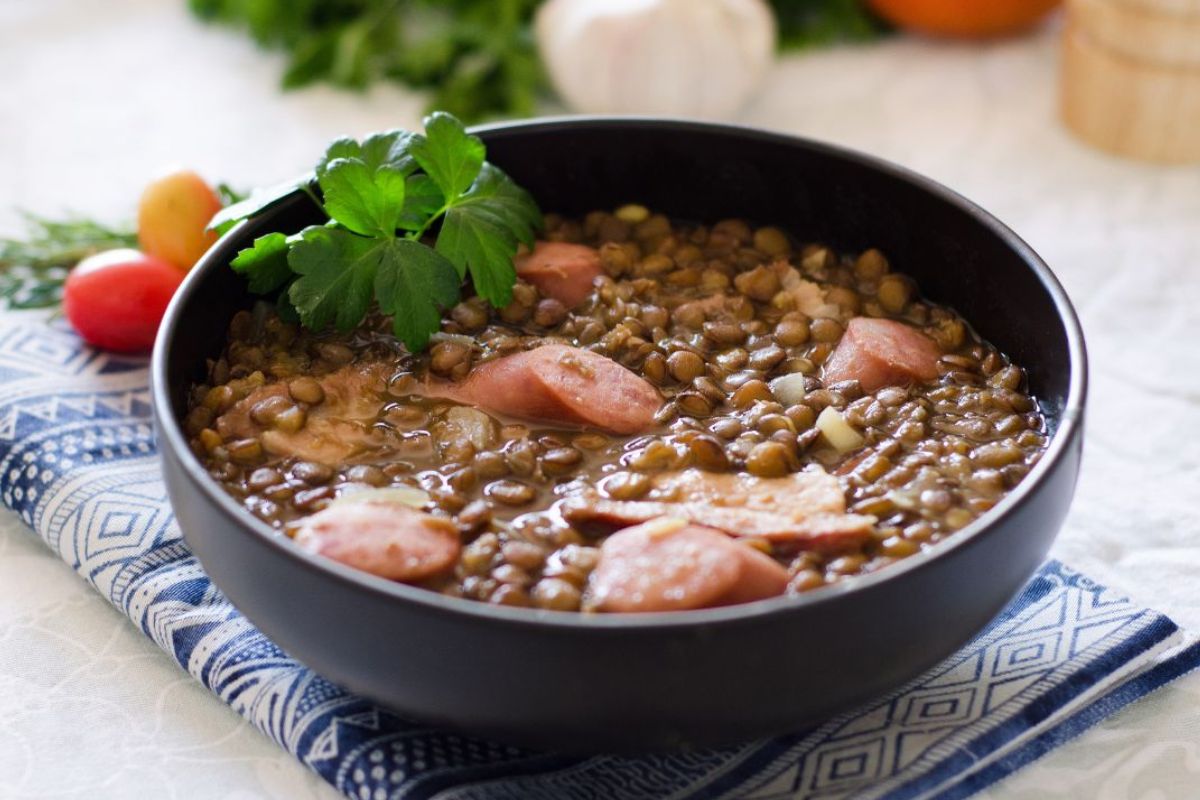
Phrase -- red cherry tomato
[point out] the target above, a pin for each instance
(116, 299)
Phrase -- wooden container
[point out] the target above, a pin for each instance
(1131, 77)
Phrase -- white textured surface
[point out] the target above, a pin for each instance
(96, 97)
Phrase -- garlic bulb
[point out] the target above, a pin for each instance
(699, 58)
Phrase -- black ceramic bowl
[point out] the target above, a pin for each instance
(653, 681)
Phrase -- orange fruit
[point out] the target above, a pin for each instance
(971, 19)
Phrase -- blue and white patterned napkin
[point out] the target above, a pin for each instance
(77, 462)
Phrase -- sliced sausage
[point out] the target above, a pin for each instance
(385, 538)
(820, 532)
(560, 270)
(667, 564)
(796, 495)
(761, 577)
(557, 383)
(805, 509)
(882, 352)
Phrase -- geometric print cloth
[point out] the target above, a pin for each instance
(77, 462)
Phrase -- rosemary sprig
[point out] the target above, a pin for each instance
(34, 266)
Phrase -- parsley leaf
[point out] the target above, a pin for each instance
(476, 58)
(814, 23)
(265, 264)
(339, 271)
(388, 148)
(284, 308)
(408, 273)
(383, 196)
(448, 154)
(482, 229)
(366, 201)
(422, 199)
(337, 276)
(258, 201)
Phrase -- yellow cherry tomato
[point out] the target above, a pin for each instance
(172, 216)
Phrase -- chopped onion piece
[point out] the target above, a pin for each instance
(456, 338)
(467, 423)
(837, 431)
(788, 389)
(362, 493)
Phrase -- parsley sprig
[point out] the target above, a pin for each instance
(385, 196)
(476, 58)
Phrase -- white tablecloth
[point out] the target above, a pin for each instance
(97, 97)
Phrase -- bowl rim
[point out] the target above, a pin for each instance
(170, 432)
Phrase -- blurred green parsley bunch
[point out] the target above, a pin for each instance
(477, 58)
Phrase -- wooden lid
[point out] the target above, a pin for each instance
(1164, 32)
(1128, 106)
(1162, 6)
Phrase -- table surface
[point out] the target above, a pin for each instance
(97, 97)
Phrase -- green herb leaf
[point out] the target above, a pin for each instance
(229, 195)
(344, 147)
(414, 284)
(284, 308)
(265, 264)
(481, 231)
(477, 58)
(34, 267)
(258, 201)
(388, 148)
(813, 23)
(365, 200)
(422, 199)
(448, 154)
(339, 271)
(398, 181)
(337, 276)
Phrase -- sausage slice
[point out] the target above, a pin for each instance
(882, 352)
(557, 383)
(669, 565)
(821, 532)
(761, 577)
(560, 270)
(385, 538)
(805, 509)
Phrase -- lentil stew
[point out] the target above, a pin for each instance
(668, 415)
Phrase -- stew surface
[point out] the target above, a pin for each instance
(667, 416)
